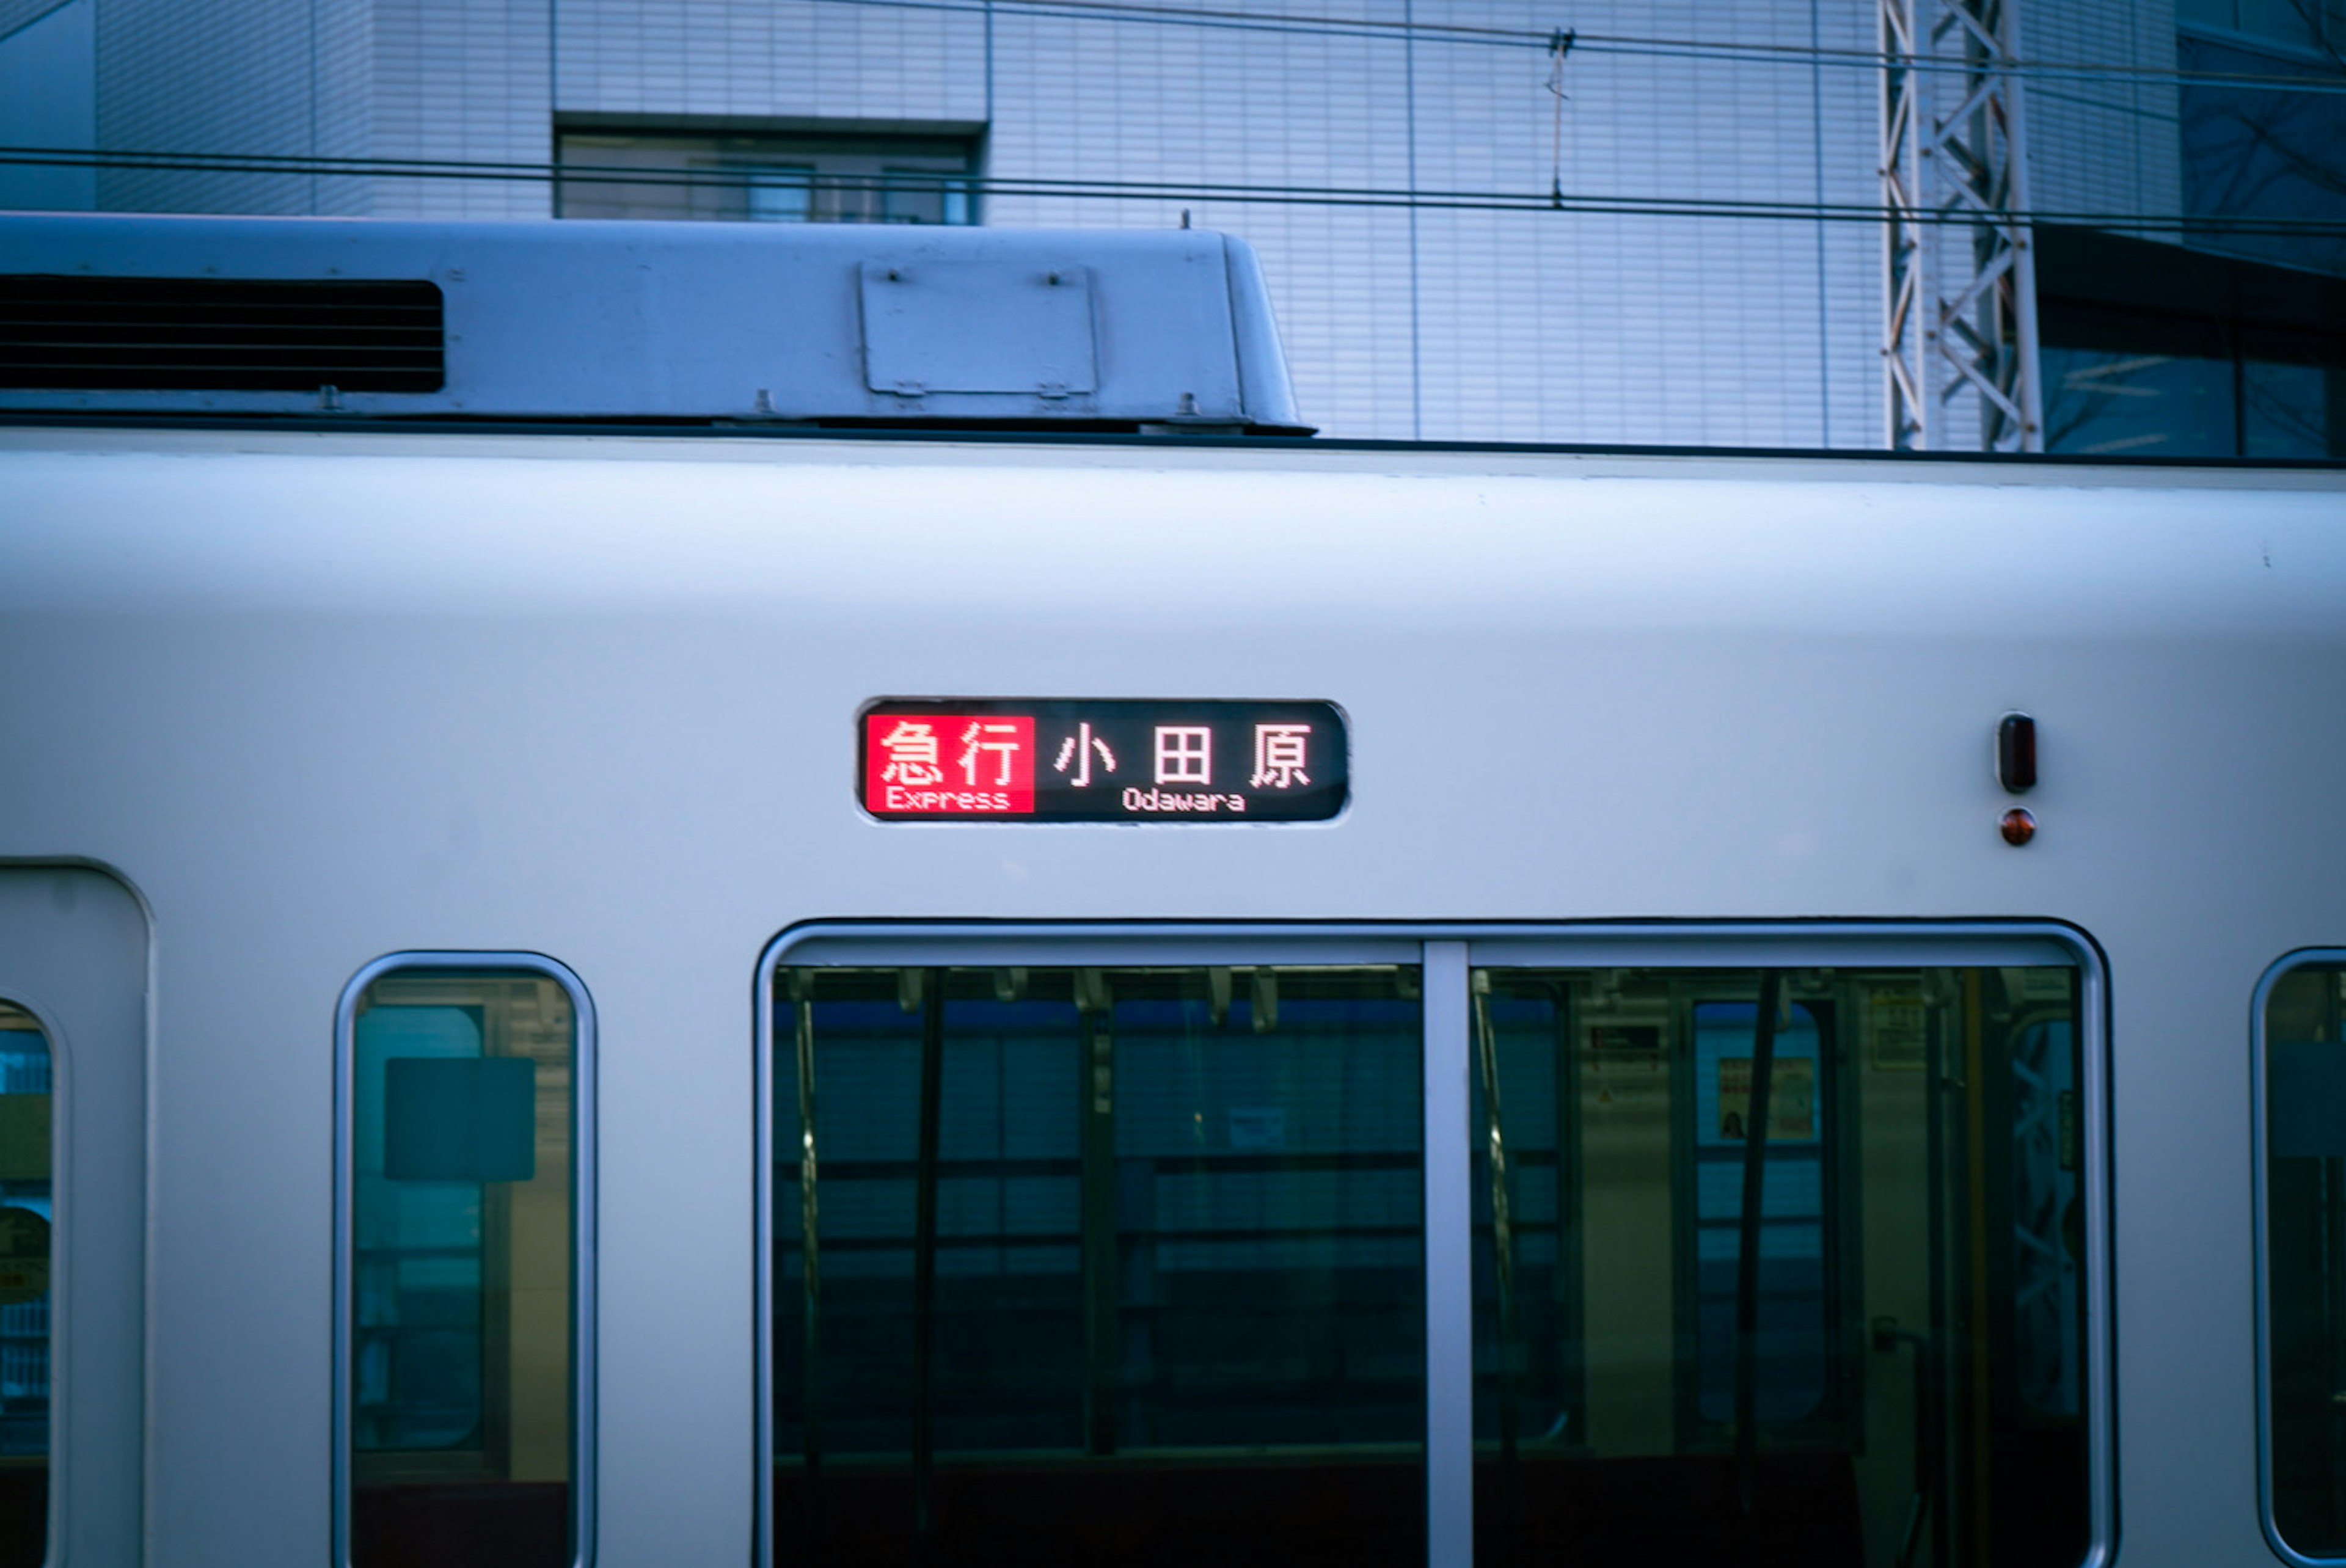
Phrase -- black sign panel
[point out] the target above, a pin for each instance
(1014, 759)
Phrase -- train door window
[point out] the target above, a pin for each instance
(1781, 1266)
(1116, 1263)
(462, 1287)
(2302, 1059)
(27, 1210)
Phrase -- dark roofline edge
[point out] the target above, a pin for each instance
(1270, 439)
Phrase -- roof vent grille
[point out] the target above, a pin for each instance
(220, 334)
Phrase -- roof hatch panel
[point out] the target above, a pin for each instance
(984, 325)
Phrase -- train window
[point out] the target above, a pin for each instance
(462, 1298)
(27, 1210)
(2304, 1232)
(1117, 1263)
(1780, 1265)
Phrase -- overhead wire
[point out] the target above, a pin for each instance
(1619, 44)
(1161, 191)
(1556, 44)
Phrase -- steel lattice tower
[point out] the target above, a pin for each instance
(1959, 342)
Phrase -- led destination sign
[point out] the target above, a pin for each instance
(1015, 759)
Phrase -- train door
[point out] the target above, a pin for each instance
(73, 992)
(1106, 1251)
(1406, 1248)
(1782, 1264)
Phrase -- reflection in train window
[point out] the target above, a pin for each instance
(27, 1210)
(2305, 1258)
(1842, 1325)
(461, 1387)
(1112, 1265)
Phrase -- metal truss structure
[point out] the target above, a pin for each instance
(1959, 343)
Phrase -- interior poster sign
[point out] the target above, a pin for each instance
(1791, 1099)
(1007, 760)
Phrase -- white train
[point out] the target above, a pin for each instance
(1089, 980)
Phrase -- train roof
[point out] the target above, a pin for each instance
(820, 325)
(1280, 538)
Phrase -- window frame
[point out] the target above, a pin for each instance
(837, 155)
(582, 1220)
(2259, 1164)
(1448, 954)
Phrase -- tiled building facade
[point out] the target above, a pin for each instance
(1442, 318)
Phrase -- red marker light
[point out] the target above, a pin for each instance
(2019, 827)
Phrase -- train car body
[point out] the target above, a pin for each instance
(1165, 1204)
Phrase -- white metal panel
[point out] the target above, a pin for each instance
(73, 953)
(330, 698)
(1021, 326)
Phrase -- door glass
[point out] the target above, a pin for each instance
(461, 1335)
(2305, 1256)
(27, 1213)
(1112, 1265)
(1778, 1265)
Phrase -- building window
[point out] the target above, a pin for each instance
(2264, 161)
(2156, 350)
(2114, 403)
(924, 176)
(2314, 26)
